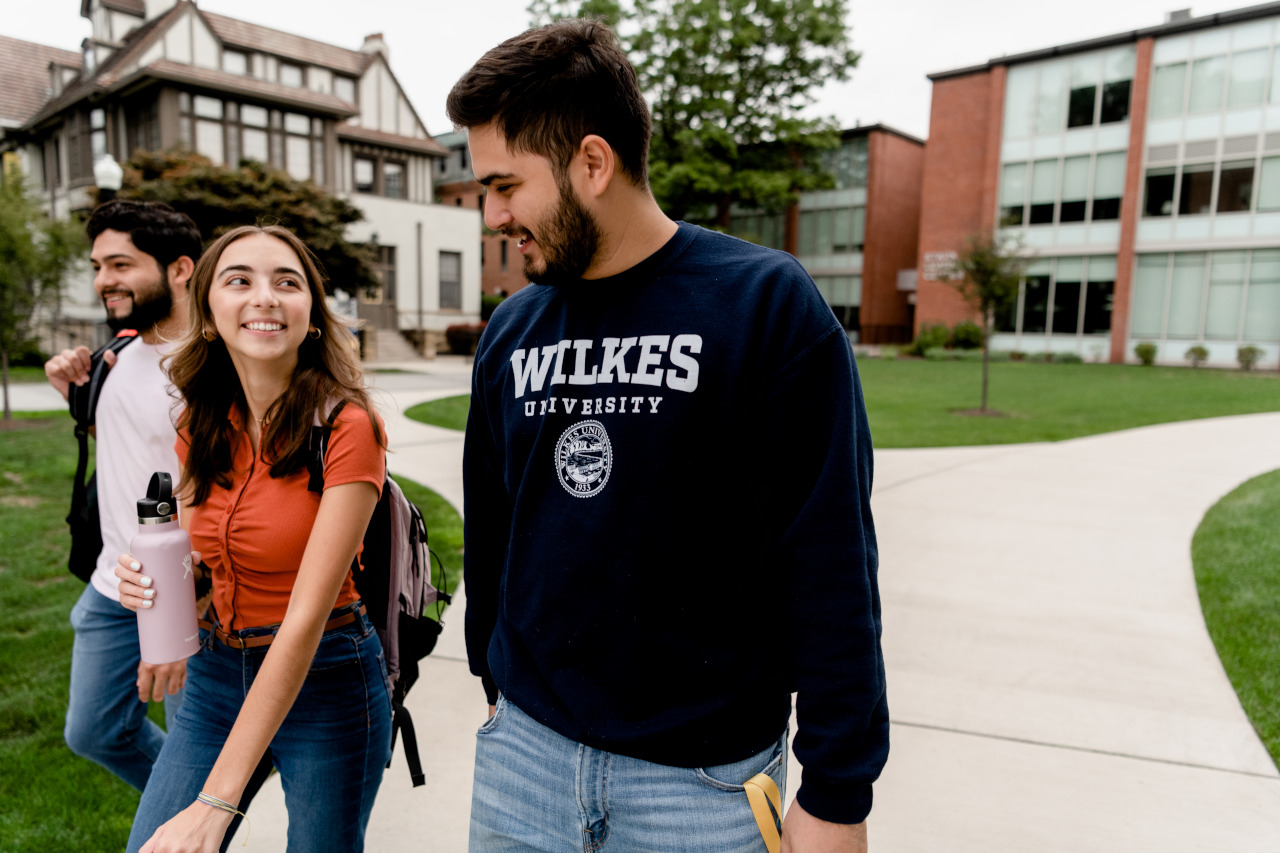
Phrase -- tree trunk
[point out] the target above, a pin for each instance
(4, 378)
(986, 357)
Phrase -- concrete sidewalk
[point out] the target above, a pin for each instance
(1051, 681)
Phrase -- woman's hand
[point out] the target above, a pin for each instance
(196, 829)
(136, 590)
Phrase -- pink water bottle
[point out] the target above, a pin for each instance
(167, 630)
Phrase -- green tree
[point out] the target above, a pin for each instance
(35, 252)
(987, 273)
(219, 198)
(727, 81)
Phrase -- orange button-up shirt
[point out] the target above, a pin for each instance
(252, 535)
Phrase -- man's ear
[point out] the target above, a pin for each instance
(180, 271)
(598, 162)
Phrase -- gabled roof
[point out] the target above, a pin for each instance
(254, 37)
(24, 68)
(392, 140)
(131, 7)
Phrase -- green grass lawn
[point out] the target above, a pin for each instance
(916, 403)
(26, 374)
(1236, 552)
(53, 800)
(450, 412)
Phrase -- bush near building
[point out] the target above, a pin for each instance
(463, 337)
(1146, 353)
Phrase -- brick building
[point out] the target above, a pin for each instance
(1142, 170)
(159, 74)
(858, 240)
(501, 266)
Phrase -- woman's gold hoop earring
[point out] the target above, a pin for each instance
(209, 335)
(314, 333)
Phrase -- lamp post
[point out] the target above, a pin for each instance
(109, 177)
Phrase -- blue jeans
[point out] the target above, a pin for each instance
(105, 721)
(330, 750)
(538, 791)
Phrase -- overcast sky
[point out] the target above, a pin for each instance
(432, 42)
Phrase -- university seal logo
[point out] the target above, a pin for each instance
(584, 459)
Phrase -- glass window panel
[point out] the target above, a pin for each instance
(1235, 187)
(859, 228)
(1066, 307)
(1275, 77)
(1039, 267)
(1020, 101)
(1262, 312)
(235, 62)
(1070, 269)
(1207, 77)
(1080, 106)
(1118, 65)
(297, 154)
(1269, 184)
(1035, 304)
(290, 75)
(808, 232)
(254, 144)
(209, 140)
(1097, 306)
(1147, 319)
(1102, 268)
(206, 107)
(1044, 186)
(1108, 185)
(1075, 188)
(253, 116)
(1248, 78)
(860, 163)
(1185, 294)
(97, 119)
(1167, 90)
(1086, 70)
(1226, 296)
(1196, 191)
(824, 218)
(296, 123)
(393, 180)
(1052, 95)
(317, 160)
(1013, 193)
(842, 228)
(1160, 184)
(1115, 101)
(344, 88)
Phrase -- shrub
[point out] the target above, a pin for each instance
(488, 302)
(1146, 353)
(1068, 358)
(966, 335)
(1017, 355)
(932, 336)
(463, 337)
(1248, 356)
(1197, 355)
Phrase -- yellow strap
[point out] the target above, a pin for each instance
(762, 792)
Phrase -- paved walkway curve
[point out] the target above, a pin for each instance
(1051, 681)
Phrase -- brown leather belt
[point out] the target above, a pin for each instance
(242, 643)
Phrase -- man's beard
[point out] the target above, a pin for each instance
(568, 242)
(149, 307)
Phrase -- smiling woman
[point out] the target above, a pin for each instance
(262, 362)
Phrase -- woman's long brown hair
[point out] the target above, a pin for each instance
(203, 374)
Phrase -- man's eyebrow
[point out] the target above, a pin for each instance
(124, 255)
(495, 176)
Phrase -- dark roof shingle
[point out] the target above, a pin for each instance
(24, 68)
(255, 37)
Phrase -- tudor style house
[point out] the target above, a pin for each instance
(157, 74)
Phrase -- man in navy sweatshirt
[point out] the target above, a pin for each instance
(668, 480)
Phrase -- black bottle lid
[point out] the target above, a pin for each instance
(158, 506)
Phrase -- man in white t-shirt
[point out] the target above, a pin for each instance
(143, 255)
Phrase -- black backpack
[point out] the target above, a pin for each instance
(395, 586)
(86, 527)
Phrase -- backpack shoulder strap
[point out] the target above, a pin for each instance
(83, 399)
(317, 444)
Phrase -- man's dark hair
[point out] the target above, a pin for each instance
(549, 87)
(155, 228)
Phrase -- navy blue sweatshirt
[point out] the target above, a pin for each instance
(668, 523)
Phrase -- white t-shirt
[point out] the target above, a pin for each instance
(135, 435)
